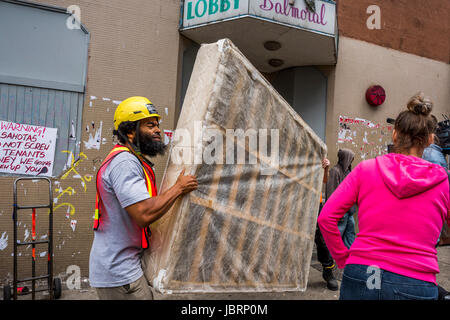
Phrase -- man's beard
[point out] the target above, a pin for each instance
(149, 146)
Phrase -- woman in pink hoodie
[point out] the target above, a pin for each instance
(403, 203)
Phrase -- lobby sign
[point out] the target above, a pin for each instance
(27, 149)
(198, 12)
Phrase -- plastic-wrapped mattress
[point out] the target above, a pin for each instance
(250, 225)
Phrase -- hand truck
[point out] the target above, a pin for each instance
(53, 284)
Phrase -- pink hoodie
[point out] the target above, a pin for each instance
(403, 202)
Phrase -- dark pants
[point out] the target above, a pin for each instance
(360, 282)
(323, 255)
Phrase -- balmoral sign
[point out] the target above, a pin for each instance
(323, 20)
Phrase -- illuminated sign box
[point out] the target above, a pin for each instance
(308, 35)
(199, 12)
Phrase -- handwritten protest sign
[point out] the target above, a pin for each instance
(26, 149)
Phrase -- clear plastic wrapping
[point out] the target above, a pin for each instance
(250, 225)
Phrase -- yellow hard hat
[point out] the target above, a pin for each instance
(134, 109)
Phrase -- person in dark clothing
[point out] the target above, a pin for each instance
(433, 153)
(323, 255)
(337, 174)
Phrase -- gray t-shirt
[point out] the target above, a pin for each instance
(116, 250)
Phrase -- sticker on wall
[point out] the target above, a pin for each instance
(26, 235)
(73, 224)
(3, 241)
(94, 140)
(167, 136)
(92, 98)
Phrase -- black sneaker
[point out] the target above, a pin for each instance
(443, 294)
(328, 276)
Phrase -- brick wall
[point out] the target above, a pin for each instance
(414, 26)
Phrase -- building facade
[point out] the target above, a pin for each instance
(68, 64)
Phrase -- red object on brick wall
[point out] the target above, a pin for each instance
(375, 95)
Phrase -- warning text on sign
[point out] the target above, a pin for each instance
(26, 149)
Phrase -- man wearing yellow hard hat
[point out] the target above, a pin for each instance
(127, 203)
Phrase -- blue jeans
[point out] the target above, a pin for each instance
(346, 226)
(361, 282)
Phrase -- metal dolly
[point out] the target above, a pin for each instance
(54, 284)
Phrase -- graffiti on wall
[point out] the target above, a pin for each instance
(366, 138)
(69, 190)
(74, 190)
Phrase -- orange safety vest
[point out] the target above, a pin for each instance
(149, 182)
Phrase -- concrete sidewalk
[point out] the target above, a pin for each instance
(316, 289)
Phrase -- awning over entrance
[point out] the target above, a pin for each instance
(273, 34)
